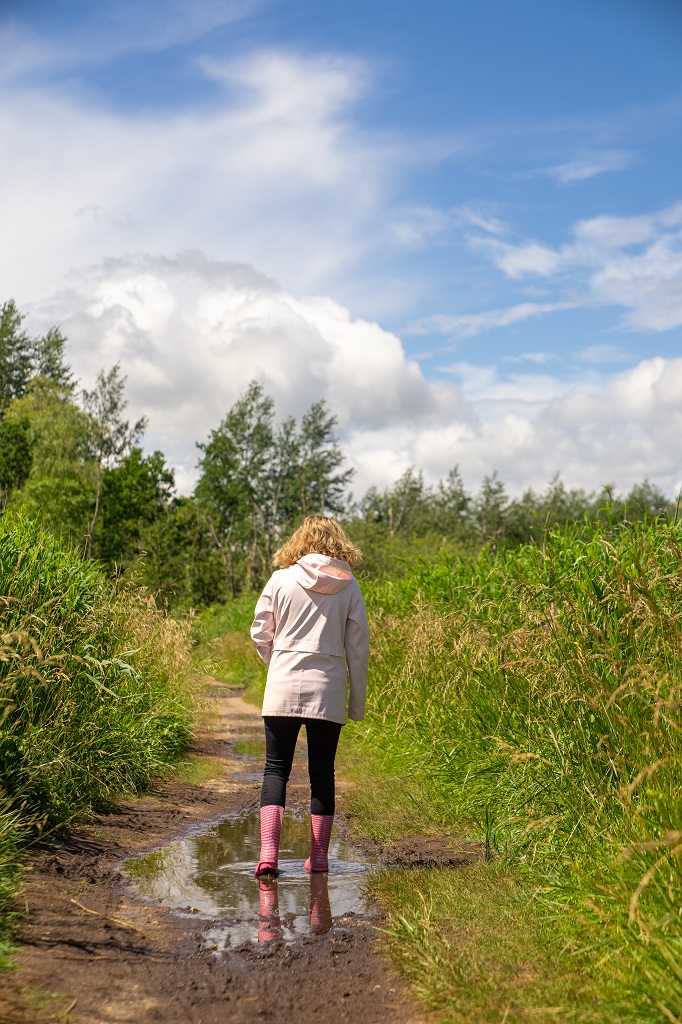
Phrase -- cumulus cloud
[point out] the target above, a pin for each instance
(191, 333)
(612, 428)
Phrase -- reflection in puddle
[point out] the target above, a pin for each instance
(212, 875)
(249, 748)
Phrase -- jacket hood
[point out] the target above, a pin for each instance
(322, 574)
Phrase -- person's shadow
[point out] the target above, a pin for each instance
(269, 924)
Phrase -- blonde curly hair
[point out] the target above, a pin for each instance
(317, 535)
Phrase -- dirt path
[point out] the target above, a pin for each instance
(93, 952)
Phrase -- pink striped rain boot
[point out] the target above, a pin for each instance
(270, 828)
(320, 907)
(268, 912)
(321, 833)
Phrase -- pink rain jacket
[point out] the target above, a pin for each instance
(310, 628)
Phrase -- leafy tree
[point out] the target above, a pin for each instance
(111, 436)
(135, 494)
(258, 478)
(490, 508)
(398, 508)
(15, 455)
(48, 359)
(180, 561)
(646, 501)
(16, 355)
(22, 357)
(60, 487)
(236, 488)
(320, 479)
(452, 506)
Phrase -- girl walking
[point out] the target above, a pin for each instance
(310, 628)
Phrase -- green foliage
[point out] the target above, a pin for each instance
(110, 438)
(135, 495)
(91, 680)
(225, 649)
(60, 488)
(473, 953)
(22, 358)
(257, 478)
(540, 688)
(180, 562)
(93, 693)
(16, 355)
(15, 456)
(48, 360)
(12, 832)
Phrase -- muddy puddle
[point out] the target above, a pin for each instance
(211, 876)
(249, 749)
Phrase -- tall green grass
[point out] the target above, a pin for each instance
(224, 649)
(93, 693)
(540, 690)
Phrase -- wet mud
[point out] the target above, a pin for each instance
(110, 934)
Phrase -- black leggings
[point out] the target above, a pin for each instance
(280, 743)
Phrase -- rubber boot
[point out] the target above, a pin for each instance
(321, 833)
(270, 828)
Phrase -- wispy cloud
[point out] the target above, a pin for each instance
(590, 164)
(263, 175)
(634, 263)
(465, 325)
(105, 34)
(600, 355)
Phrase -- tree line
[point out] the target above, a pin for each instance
(70, 459)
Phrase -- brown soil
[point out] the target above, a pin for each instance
(429, 852)
(95, 953)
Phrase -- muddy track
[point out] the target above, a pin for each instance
(93, 952)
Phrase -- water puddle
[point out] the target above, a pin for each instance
(249, 748)
(212, 876)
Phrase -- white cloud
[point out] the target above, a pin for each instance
(597, 355)
(192, 332)
(618, 428)
(520, 260)
(590, 164)
(104, 33)
(465, 325)
(261, 175)
(634, 263)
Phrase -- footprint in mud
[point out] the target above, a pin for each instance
(212, 875)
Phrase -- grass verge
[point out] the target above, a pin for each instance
(532, 700)
(94, 692)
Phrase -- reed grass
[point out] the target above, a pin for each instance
(94, 699)
(540, 692)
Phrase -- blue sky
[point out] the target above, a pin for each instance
(476, 209)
